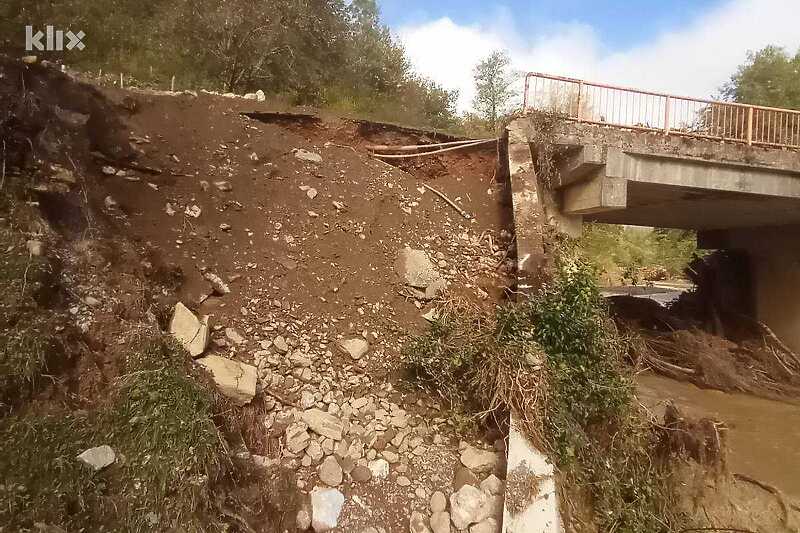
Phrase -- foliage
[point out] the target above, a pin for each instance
(494, 89)
(769, 77)
(167, 450)
(556, 361)
(631, 254)
(318, 52)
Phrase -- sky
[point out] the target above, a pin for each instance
(684, 47)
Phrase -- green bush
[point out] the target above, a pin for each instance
(556, 361)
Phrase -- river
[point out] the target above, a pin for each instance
(763, 436)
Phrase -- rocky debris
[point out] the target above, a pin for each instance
(355, 347)
(403, 481)
(223, 186)
(465, 506)
(98, 457)
(416, 523)
(330, 472)
(438, 502)
(108, 170)
(297, 437)
(379, 468)
(191, 332)
(305, 155)
(235, 380)
(326, 505)
(479, 461)
(220, 287)
(323, 423)
(440, 522)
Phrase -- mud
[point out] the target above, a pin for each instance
(762, 434)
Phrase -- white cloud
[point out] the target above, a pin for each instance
(694, 60)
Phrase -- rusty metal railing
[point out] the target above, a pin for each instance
(610, 105)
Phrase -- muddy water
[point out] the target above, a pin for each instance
(764, 436)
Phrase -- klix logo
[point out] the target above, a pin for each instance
(52, 40)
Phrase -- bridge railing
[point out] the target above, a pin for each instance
(611, 105)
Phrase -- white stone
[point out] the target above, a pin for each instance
(191, 332)
(303, 520)
(465, 506)
(379, 468)
(297, 437)
(326, 505)
(99, 457)
(260, 96)
(478, 460)
(234, 336)
(305, 155)
(355, 347)
(492, 485)
(415, 269)
(323, 423)
(280, 344)
(235, 380)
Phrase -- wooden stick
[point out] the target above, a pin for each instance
(421, 154)
(412, 147)
(449, 201)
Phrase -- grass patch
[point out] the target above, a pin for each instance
(167, 447)
(556, 360)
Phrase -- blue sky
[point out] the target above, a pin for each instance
(619, 23)
(685, 47)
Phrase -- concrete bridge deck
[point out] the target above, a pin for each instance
(736, 196)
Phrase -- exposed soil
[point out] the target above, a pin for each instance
(307, 249)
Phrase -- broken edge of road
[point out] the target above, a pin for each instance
(534, 510)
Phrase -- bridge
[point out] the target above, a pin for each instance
(603, 153)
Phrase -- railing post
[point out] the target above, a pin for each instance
(667, 107)
(749, 126)
(525, 94)
(579, 113)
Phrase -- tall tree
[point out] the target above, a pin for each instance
(769, 77)
(494, 89)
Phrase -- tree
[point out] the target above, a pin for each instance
(493, 87)
(769, 77)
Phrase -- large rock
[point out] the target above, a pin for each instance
(478, 460)
(355, 347)
(99, 457)
(490, 525)
(326, 505)
(415, 269)
(190, 331)
(235, 380)
(330, 472)
(465, 506)
(323, 423)
(440, 522)
(493, 485)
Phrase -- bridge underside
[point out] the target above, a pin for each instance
(736, 196)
